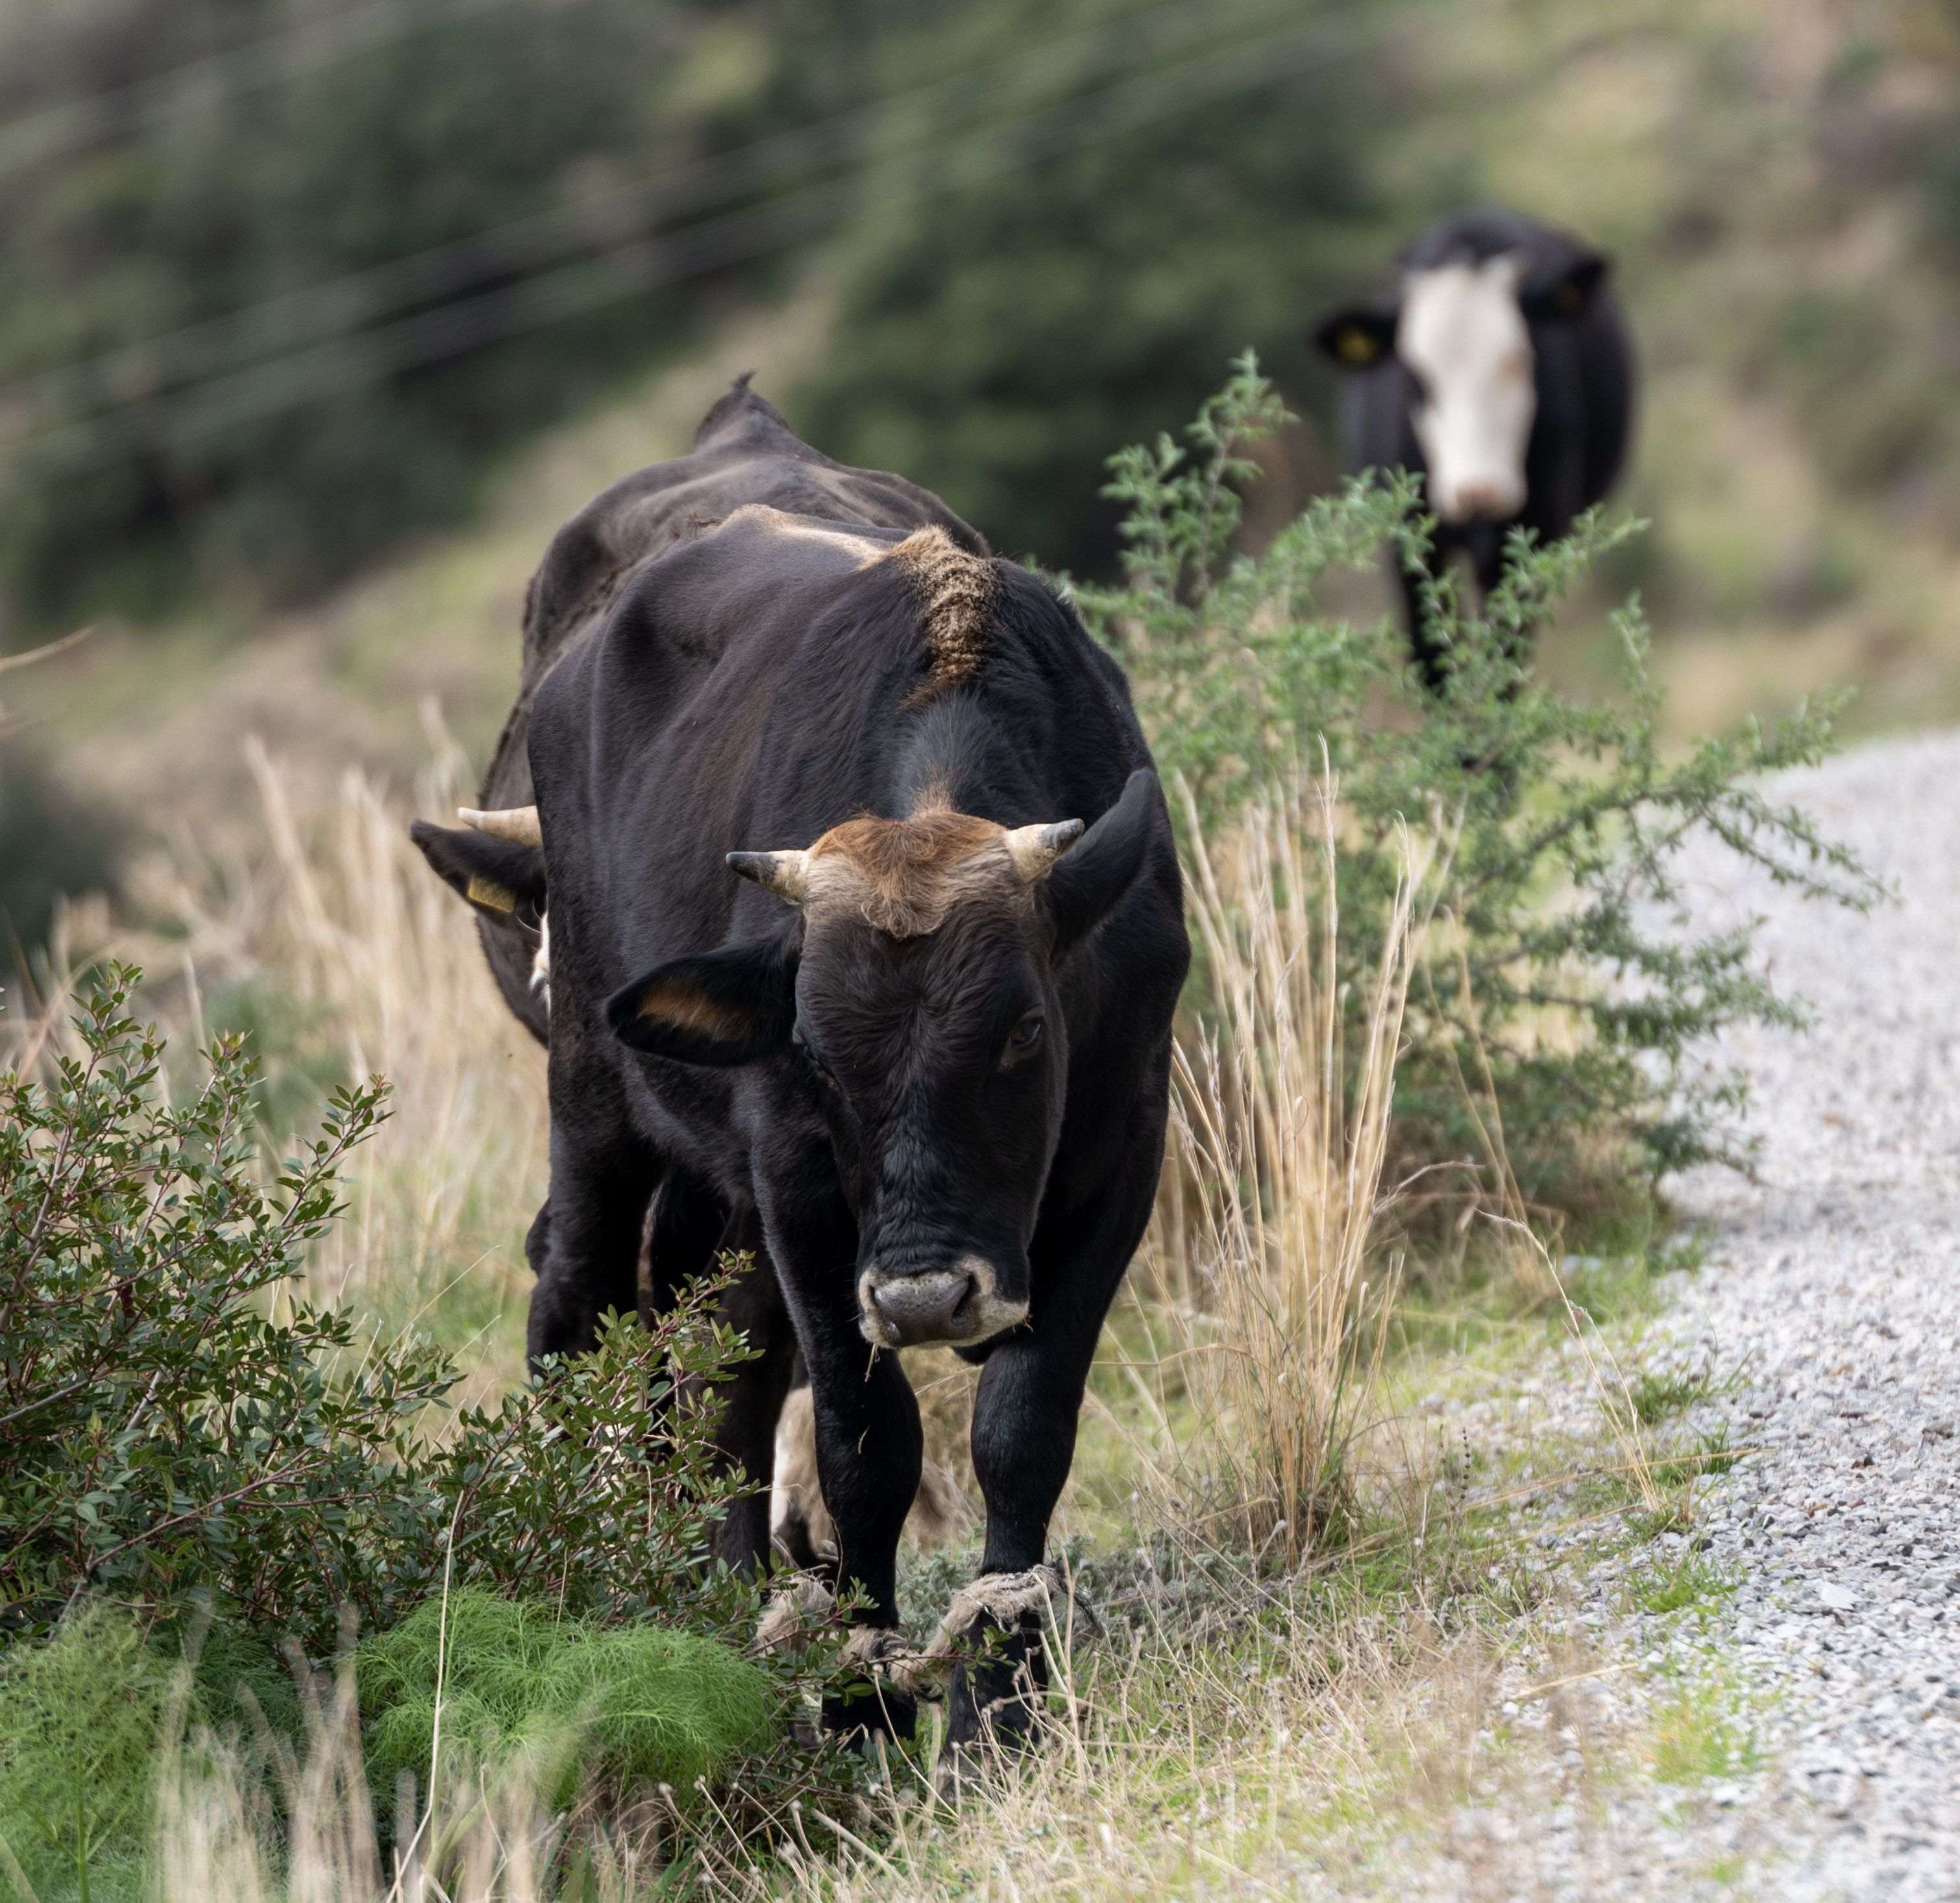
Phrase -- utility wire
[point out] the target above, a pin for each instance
(137, 371)
(342, 365)
(80, 124)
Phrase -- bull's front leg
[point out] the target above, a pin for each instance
(1025, 1416)
(585, 1244)
(869, 1444)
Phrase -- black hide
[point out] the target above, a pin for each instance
(826, 1093)
(743, 452)
(1583, 362)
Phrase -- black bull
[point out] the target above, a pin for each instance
(918, 1060)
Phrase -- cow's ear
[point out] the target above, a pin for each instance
(504, 881)
(1565, 294)
(1090, 878)
(727, 1006)
(1358, 338)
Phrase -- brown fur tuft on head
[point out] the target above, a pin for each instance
(956, 592)
(905, 875)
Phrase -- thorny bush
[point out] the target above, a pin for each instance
(1561, 990)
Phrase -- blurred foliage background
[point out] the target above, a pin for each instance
(273, 296)
(317, 316)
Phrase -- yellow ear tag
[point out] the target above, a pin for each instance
(1356, 347)
(487, 892)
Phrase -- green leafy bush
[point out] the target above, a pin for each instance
(164, 1425)
(1561, 991)
(180, 1427)
(622, 1707)
(595, 1488)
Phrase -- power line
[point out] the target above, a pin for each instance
(139, 371)
(78, 125)
(448, 330)
(340, 365)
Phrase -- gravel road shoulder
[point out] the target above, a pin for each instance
(1825, 1323)
(1833, 1287)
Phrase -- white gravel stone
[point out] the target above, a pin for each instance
(1833, 1284)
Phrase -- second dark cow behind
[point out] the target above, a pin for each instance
(865, 932)
(1498, 367)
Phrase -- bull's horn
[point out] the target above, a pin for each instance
(1035, 848)
(519, 824)
(785, 874)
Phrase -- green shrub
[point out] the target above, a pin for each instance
(1562, 992)
(164, 1426)
(180, 1429)
(622, 1706)
(79, 1719)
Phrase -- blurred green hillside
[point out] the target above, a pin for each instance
(278, 277)
(1020, 237)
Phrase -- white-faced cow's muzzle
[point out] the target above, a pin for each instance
(959, 1304)
(1462, 335)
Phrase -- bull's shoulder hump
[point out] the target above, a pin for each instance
(859, 543)
(757, 573)
(742, 421)
(745, 458)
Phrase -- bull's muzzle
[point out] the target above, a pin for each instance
(960, 1304)
(1491, 499)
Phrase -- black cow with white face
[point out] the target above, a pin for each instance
(1499, 367)
(865, 935)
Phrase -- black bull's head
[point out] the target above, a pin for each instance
(914, 999)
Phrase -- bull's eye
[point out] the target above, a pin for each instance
(1025, 1038)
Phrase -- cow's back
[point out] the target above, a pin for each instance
(744, 455)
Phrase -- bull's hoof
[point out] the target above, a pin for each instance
(871, 1709)
(983, 1735)
(962, 1769)
(995, 1704)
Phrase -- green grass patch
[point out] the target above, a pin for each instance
(79, 1719)
(1657, 1497)
(1654, 1394)
(1697, 1735)
(1678, 1584)
(1710, 1454)
(1672, 1513)
(625, 1706)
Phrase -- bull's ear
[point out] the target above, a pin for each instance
(1566, 293)
(727, 1006)
(504, 880)
(1358, 338)
(1089, 879)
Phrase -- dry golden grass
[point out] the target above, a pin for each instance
(487, 1840)
(1269, 1742)
(1265, 1264)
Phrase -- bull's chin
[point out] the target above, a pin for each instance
(958, 1307)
